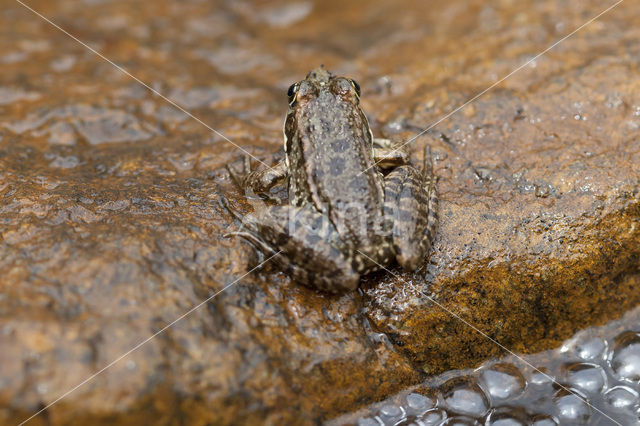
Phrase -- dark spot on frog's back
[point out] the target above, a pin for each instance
(339, 145)
(313, 238)
(316, 224)
(359, 184)
(336, 165)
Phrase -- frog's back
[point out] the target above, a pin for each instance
(339, 172)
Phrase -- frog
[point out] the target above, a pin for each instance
(355, 203)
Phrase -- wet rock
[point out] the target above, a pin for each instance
(523, 267)
(95, 125)
(10, 95)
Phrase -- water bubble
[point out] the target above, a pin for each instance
(368, 422)
(589, 349)
(503, 381)
(507, 421)
(507, 416)
(571, 407)
(625, 358)
(42, 388)
(391, 414)
(541, 378)
(621, 397)
(462, 395)
(433, 417)
(418, 404)
(590, 378)
(460, 421)
(543, 420)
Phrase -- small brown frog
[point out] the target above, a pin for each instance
(344, 217)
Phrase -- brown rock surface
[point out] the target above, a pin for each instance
(110, 227)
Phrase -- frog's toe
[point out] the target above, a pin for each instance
(247, 165)
(254, 240)
(234, 175)
(224, 204)
(410, 262)
(239, 177)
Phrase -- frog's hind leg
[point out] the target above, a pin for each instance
(306, 246)
(388, 156)
(412, 203)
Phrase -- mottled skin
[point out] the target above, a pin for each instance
(344, 218)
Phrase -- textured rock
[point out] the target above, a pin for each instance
(110, 226)
(539, 220)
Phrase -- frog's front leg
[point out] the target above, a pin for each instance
(411, 202)
(259, 181)
(386, 155)
(309, 246)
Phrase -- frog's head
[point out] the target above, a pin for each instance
(320, 80)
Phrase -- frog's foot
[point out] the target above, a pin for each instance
(412, 202)
(238, 177)
(306, 244)
(224, 204)
(388, 155)
(258, 181)
(428, 175)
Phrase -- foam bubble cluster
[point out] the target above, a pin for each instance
(589, 380)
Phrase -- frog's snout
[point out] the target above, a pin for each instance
(320, 75)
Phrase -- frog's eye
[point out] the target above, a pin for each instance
(292, 89)
(356, 86)
(292, 93)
